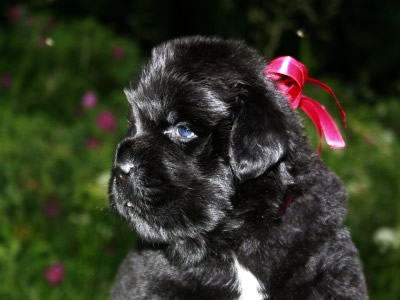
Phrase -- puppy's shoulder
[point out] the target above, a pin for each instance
(136, 273)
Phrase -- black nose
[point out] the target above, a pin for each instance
(123, 161)
(122, 172)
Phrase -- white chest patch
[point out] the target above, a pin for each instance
(248, 285)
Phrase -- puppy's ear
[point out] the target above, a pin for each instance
(258, 137)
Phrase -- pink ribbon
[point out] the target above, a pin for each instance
(291, 76)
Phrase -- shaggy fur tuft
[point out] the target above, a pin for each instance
(209, 205)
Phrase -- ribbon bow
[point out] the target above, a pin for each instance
(291, 76)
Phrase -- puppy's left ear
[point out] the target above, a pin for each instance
(258, 136)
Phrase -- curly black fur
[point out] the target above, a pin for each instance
(203, 205)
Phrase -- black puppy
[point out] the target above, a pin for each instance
(212, 156)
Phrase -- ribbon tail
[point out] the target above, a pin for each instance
(323, 122)
(328, 89)
(313, 115)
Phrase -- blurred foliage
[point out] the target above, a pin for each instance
(53, 181)
(368, 167)
(352, 39)
(80, 59)
(55, 155)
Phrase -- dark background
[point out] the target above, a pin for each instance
(355, 40)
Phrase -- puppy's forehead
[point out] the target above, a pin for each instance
(178, 100)
(196, 78)
(171, 83)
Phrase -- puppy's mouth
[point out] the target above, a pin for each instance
(164, 202)
(129, 196)
(119, 199)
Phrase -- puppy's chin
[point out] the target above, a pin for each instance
(158, 220)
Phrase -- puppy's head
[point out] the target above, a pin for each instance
(203, 121)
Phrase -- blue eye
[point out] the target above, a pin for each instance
(185, 132)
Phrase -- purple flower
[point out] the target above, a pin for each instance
(54, 274)
(92, 143)
(52, 207)
(117, 53)
(6, 80)
(89, 100)
(107, 121)
(15, 12)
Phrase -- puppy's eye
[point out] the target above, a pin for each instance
(185, 132)
(180, 133)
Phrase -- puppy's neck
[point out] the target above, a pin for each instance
(257, 205)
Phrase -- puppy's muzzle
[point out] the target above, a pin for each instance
(123, 163)
(137, 172)
(123, 172)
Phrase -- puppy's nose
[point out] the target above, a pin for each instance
(123, 171)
